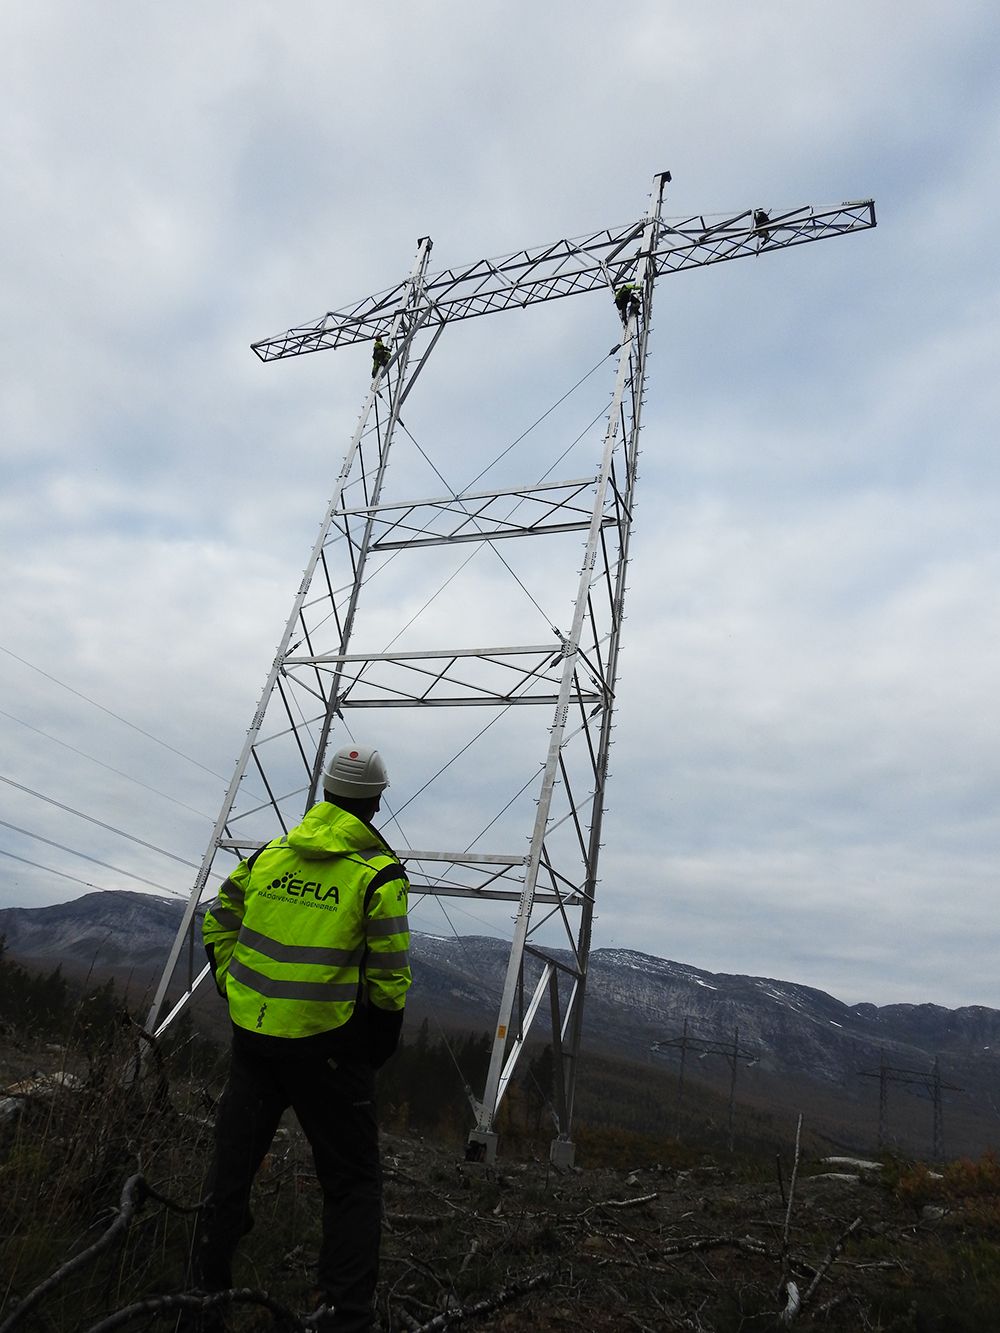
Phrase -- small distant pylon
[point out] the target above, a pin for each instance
(732, 1052)
(932, 1082)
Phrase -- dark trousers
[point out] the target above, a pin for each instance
(335, 1105)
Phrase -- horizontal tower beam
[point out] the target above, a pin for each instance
(600, 260)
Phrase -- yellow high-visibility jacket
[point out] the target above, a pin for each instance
(311, 928)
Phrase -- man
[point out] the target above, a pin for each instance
(380, 356)
(761, 223)
(627, 301)
(308, 941)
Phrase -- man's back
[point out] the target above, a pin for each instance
(308, 925)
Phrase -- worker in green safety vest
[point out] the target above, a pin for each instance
(308, 942)
(761, 225)
(380, 355)
(627, 300)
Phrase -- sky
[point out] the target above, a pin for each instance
(806, 771)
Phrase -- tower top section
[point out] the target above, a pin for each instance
(600, 260)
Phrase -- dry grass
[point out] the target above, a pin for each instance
(675, 1241)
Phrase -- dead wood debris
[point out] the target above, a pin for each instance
(533, 1250)
(512, 1292)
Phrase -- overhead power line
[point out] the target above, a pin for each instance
(99, 822)
(49, 842)
(49, 870)
(111, 713)
(94, 760)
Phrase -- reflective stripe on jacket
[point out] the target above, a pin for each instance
(309, 925)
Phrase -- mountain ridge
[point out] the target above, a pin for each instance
(797, 1044)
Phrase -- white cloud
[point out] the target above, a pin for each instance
(805, 749)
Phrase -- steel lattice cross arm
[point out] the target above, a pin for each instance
(729, 1049)
(928, 1081)
(568, 267)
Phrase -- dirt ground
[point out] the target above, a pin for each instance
(524, 1247)
(720, 1244)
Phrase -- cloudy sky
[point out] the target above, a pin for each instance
(806, 772)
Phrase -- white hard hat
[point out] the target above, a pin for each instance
(355, 770)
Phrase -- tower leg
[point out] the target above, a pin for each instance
(482, 1146)
(562, 1152)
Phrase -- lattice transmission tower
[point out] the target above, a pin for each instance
(410, 679)
(932, 1083)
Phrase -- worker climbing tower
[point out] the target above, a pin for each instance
(493, 710)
